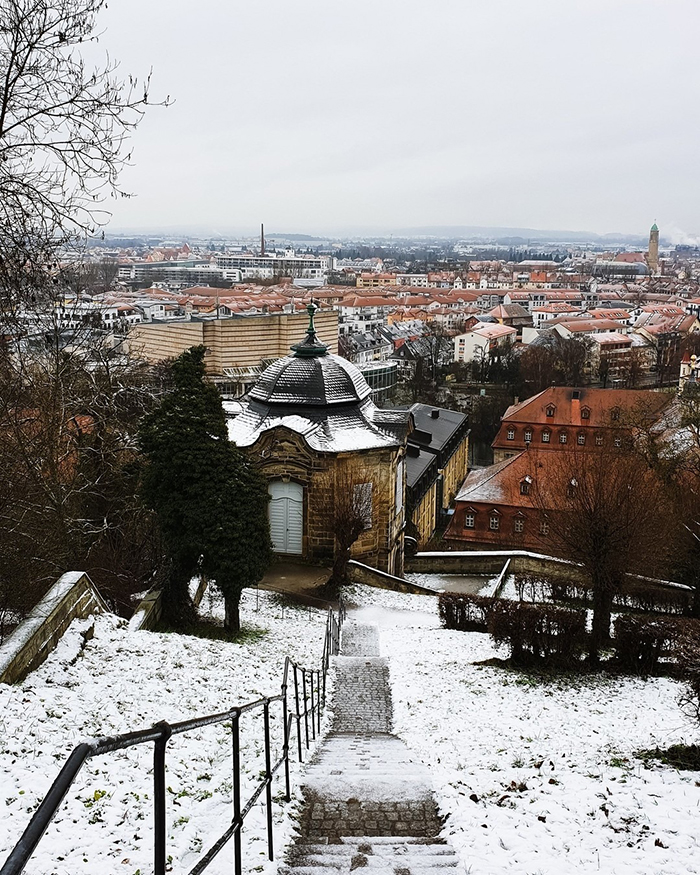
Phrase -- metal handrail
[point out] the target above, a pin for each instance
(307, 708)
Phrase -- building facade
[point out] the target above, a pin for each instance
(309, 425)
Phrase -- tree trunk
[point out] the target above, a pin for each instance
(600, 631)
(232, 616)
(178, 609)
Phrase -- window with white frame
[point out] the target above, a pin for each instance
(599, 440)
(562, 437)
(546, 435)
(585, 413)
(581, 439)
(494, 522)
(510, 434)
(528, 435)
(544, 528)
(519, 525)
(469, 520)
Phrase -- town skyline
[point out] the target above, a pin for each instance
(315, 120)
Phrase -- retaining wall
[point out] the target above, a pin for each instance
(72, 597)
(360, 573)
(492, 562)
(150, 609)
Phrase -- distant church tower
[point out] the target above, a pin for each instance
(653, 253)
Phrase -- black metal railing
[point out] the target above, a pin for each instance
(309, 700)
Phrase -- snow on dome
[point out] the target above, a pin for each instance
(322, 381)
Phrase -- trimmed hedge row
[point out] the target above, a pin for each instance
(538, 633)
(466, 613)
(641, 642)
(535, 633)
(637, 595)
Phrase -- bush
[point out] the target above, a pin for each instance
(538, 633)
(466, 613)
(641, 642)
(531, 588)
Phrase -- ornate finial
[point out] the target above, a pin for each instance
(311, 345)
(311, 310)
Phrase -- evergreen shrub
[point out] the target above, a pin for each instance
(535, 633)
(464, 612)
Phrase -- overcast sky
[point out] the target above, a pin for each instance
(321, 116)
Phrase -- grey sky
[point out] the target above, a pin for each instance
(319, 115)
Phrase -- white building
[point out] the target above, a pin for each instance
(482, 340)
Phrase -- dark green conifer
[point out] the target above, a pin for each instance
(211, 503)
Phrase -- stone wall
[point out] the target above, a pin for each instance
(147, 615)
(360, 573)
(491, 562)
(72, 597)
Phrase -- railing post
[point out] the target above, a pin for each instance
(306, 710)
(285, 729)
(268, 781)
(298, 714)
(318, 699)
(236, 767)
(313, 706)
(159, 798)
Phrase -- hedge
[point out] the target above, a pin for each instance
(538, 633)
(641, 642)
(464, 612)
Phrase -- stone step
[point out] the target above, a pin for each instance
(380, 846)
(397, 866)
(375, 860)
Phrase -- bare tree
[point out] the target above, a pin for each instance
(609, 512)
(64, 128)
(350, 511)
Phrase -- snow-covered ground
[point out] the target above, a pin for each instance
(538, 778)
(125, 680)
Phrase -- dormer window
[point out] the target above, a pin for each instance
(562, 437)
(615, 414)
(546, 435)
(585, 413)
(510, 434)
(494, 521)
(550, 410)
(525, 484)
(528, 435)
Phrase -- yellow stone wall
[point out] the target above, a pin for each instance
(425, 515)
(241, 343)
(281, 453)
(455, 472)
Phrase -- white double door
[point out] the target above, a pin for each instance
(286, 516)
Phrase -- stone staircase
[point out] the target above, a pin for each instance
(367, 802)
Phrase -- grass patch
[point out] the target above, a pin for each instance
(214, 632)
(685, 757)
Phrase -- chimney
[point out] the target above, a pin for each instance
(435, 414)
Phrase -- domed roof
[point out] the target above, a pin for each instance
(311, 376)
(322, 381)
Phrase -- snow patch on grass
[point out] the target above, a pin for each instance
(539, 775)
(122, 681)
